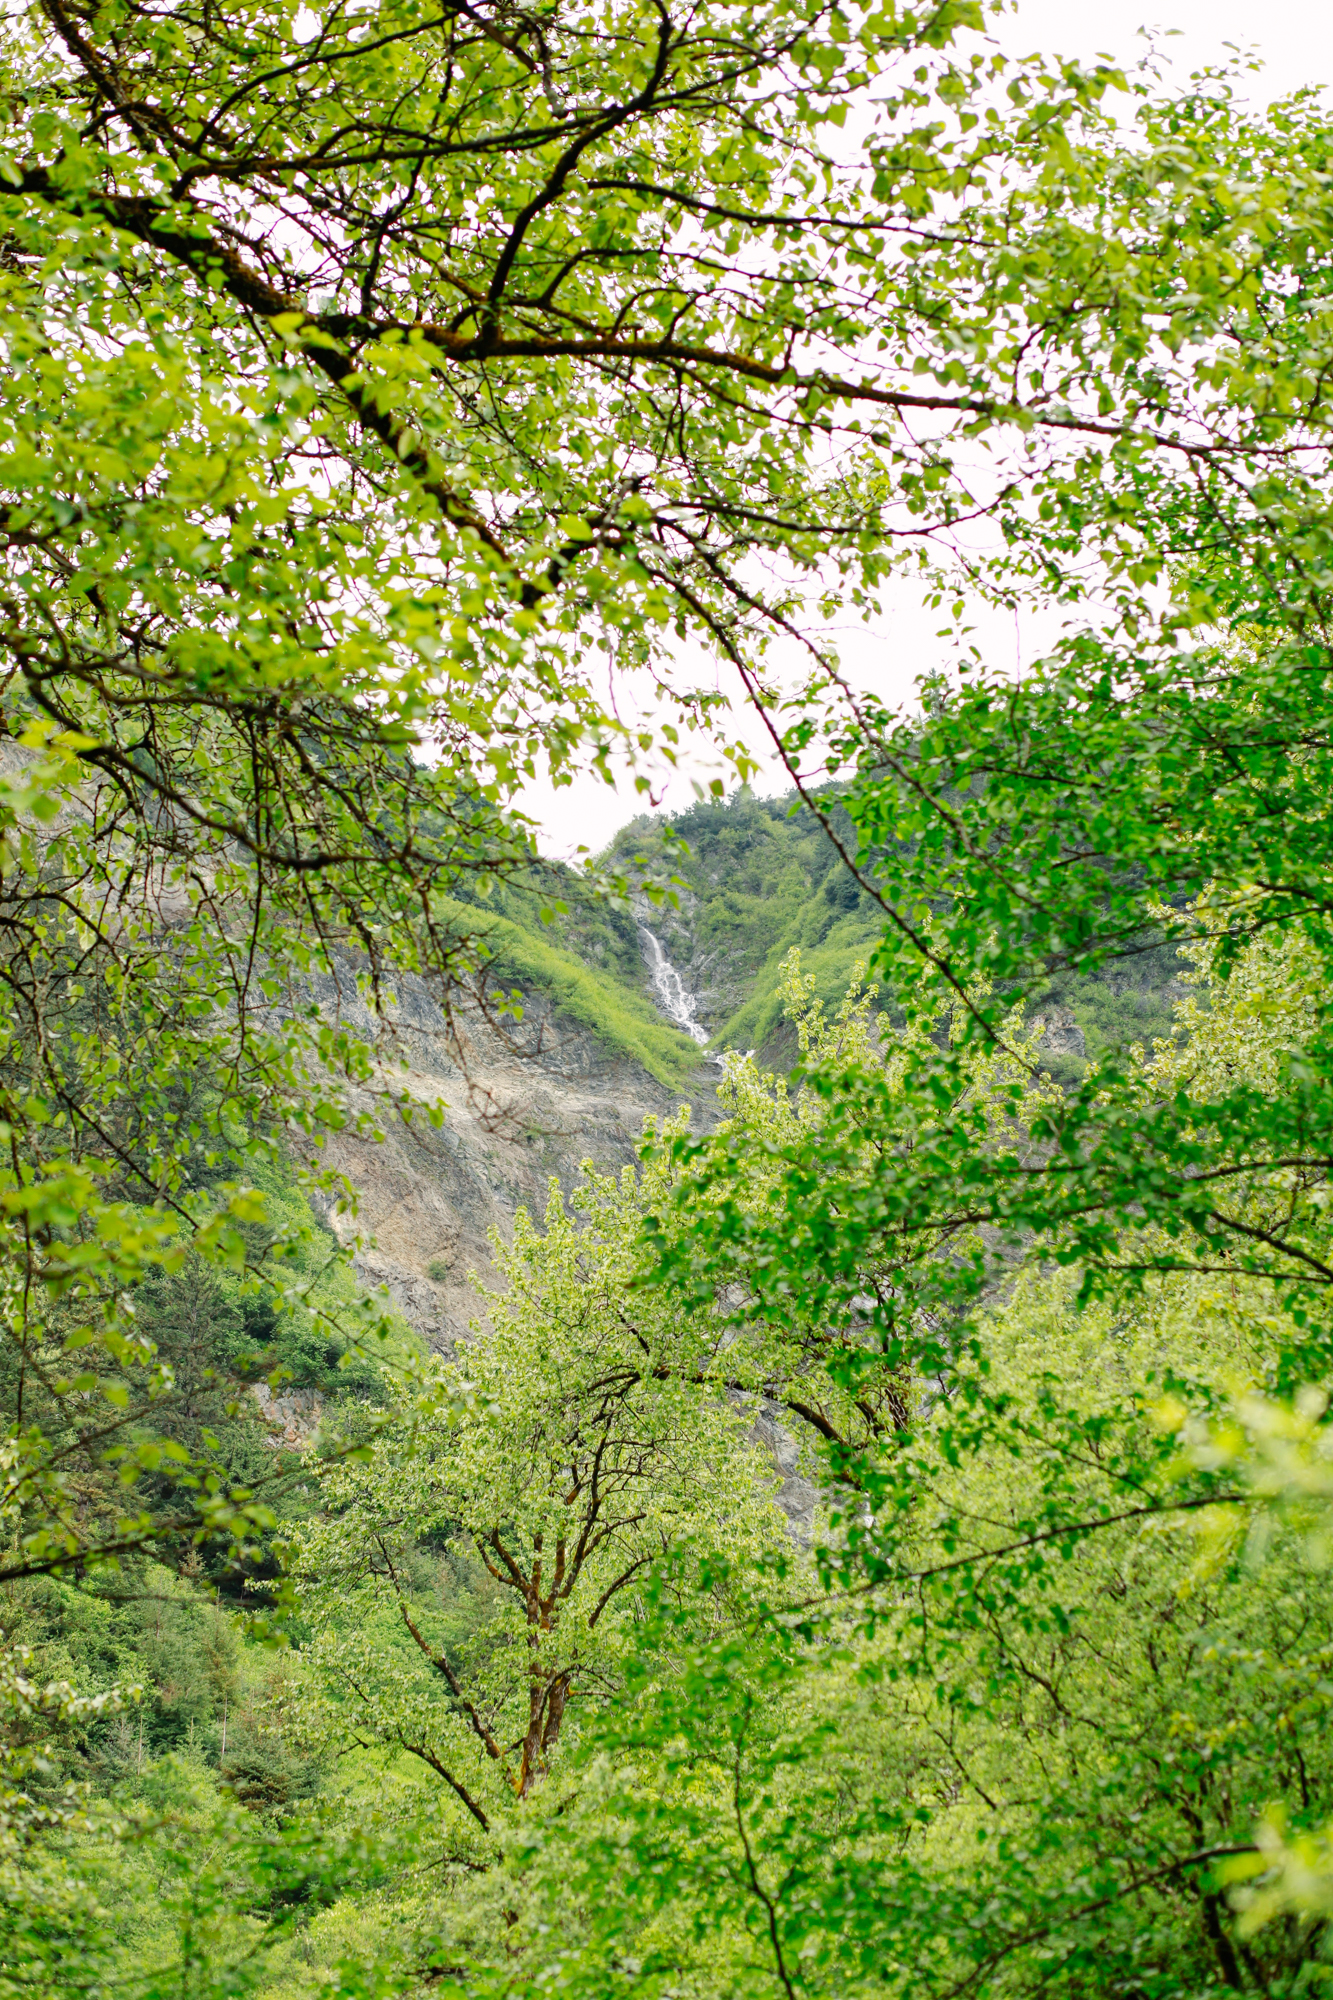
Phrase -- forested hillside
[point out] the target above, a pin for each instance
(761, 876)
(742, 882)
(498, 1496)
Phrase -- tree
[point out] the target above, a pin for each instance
(1061, 1714)
(296, 597)
(871, 1098)
(367, 390)
(479, 1581)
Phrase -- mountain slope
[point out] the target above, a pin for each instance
(596, 1049)
(763, 876)
(759, 878)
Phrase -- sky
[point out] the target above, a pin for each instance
(1295, 40)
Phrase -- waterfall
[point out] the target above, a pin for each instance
(674, 997)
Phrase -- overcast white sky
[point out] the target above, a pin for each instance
(1295, 40)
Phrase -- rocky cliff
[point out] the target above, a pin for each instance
(524, 1101)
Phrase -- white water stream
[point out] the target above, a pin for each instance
(674, 997)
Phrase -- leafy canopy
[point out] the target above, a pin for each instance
(373, 384)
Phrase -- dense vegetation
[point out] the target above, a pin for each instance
(761, 877)
(379, 387)
(544, 932)
(540, 1678)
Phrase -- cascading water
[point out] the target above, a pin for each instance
(674, 997)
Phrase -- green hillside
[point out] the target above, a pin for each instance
(586, 959)
(755, 878)
(762, 876)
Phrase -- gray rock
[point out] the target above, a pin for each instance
(293, 1415)
(1058, 1032)
(523, 1103)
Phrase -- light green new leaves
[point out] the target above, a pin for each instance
(477, 1586)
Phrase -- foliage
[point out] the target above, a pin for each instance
(1069, 1700)
(376, 391)
(575, 1454)
(202, 1899)
(1049, 1715)
(606, 999)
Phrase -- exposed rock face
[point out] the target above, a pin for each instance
(522, 1104)
(293, 1416)
(1058, 1031)
(796, 1495)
